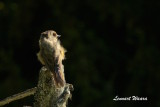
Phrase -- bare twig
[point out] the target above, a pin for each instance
(18, 96)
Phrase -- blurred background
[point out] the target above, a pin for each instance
(113, 49)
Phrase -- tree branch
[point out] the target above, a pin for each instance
(18, 96)
(48, 94)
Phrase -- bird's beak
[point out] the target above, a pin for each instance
(58, 36)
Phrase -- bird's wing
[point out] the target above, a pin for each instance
(53, 66)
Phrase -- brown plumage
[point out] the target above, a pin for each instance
(51, 55)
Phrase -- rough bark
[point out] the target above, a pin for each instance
(48, 94)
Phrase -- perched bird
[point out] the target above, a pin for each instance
(51, 55)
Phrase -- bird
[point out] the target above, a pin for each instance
(51, 55)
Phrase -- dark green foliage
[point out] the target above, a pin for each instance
(113, 48)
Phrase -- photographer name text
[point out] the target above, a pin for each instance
(131, 98)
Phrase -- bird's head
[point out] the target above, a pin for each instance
(49, 38)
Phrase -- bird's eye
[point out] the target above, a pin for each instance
(54, 34)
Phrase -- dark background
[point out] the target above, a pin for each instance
(113, 49)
